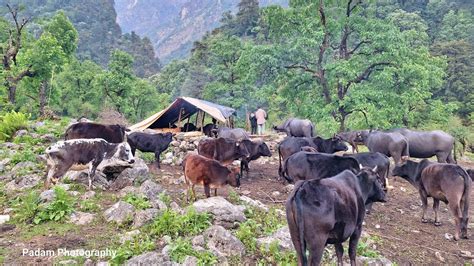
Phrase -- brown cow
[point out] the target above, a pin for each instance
(223, 150)
(448, 183)
(208, 172)
(87, 130)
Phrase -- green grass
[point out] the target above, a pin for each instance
(58, 209)
(139, 202)
(138, 245)
(29, 231)
(181, 248)
(173, 224)
(25, 207)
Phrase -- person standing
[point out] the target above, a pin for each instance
(261, 116)
(253, 124)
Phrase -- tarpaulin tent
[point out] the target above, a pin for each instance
(183, 108)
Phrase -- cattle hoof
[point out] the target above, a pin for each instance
(423, 220)
(437, 223)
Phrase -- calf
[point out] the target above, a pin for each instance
(292, 145)
(156, 143)
(64, 154)
(237, 134)
(87, 130)
(448, 183)
(208, 172)
(309, 165)
(208, 129)
(351, 137)
(223, 150)
(330, 211)
(256, 149)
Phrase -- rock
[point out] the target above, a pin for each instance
(158, 204)
(223, 242)
(439, 257)
(23, 182)
(48, 138)
(149, 258)
(67, 262)
(254, 203)
(198, 241)
(190, 261)
(150, 189)
(81, 218)
(4, 218)
(88, 195)
(128, 236)
(129, 175)
(448, 236)
(224, 212)
(64, 186)
(38, 124)
(130, 190)
(175, 207)
(377, 226)
(281, 236)
(47, 195)
(173, 143)
(20, 133)
(143, 217)
(289, 188)
(22, 166)
(120, 212)
(102, 263)
(276, 194)
(373, 261)
(246, 192)
(81, 177)
(11, 145)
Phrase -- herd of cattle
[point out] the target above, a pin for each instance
(332, 193)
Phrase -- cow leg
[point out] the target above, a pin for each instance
(442, 157)
(93, 167)
(456, 210)
(368, 208)
(353, 241)
(207, 190)
(47, 182)
(316, 248)
(397, 158)
(339, 253)
(133, 149)
(157, 158)
(436, 209)
(194, 192)
(215, 192)
(424, 203)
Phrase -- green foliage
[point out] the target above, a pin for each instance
(61, 207)
(181, 248)
(25, 155)
(165, 198)
(274, 256)
(10, 123)
(138, 245)
(267, 222)
(247, 234)
(25, 207)
(89, 205)
(173, 224)
(138, 201)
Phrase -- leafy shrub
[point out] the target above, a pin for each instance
(267, 222)
(165, 198)
(26, 206)
(247, 234)
(364, 248)
(25, 155)
(182, 248)
(138, 245)
(137, 201)
(89, 206)
(12, 122)
(174, 224)
(27, 139)
(61, 207)
(148, 157)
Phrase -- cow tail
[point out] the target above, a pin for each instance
(465, 194)
(284, 172)
(454, 152)
(312, 130)
(280, 169)
(299, 221)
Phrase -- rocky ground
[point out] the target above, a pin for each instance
(142, 213)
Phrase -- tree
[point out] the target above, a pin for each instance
(247, 17)
(457, 25)
(13, 71)
(347, 63)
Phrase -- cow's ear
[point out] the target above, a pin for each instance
(360, 166)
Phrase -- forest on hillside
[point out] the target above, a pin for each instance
(342, 64)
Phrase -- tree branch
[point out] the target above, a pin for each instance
(305, 68)
(358, 46)
(366, 74)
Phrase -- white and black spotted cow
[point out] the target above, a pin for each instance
(62, 155)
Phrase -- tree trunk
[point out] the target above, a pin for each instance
(12, 93)
(42, 96)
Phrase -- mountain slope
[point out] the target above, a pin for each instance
(173, 25)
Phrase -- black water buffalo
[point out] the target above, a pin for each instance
(188, 127)
(223, 150)
(156, 143)
(292, 145)
(294, 127)
(392, 144)
(64, 154)
(208, 129)
(232, 133)
(87, 130)
(425, 144)
(448, 183)
(256, 149)
(330, 211)
(351, 137)
(310, 165)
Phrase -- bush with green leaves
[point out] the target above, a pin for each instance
(25, 155)
(89, 205)
(272, 255)
(138, 201)
(181, 248)
(267, 222)
(138, 245)
(247, 233)
(173, 224)
(165, 198)
(61, 207)
(12, 122)
(26, 206)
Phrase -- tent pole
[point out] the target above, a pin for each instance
(202, 121)
(179, 119)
